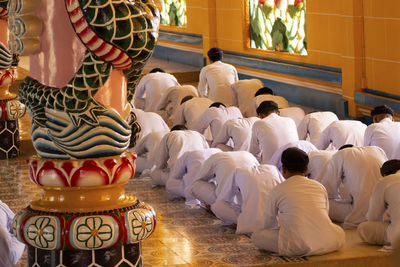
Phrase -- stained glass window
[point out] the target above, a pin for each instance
(173, 13)
(278, 25)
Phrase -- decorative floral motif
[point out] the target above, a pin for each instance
(103, 171)
(94, 232)
(142, 225)
(41, 232)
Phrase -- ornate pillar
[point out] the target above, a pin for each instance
(84, 72)
(10, 108)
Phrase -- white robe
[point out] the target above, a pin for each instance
(215, 82)
(301, 144)
(219, 166)
(11, 249)
(243, 92)
(214, 118)
(256, 101)
(254, 184)
(149, 122)
(146, 149)
(271, 133)
(239, 130)
(318, 159)
(341, 133)
(171, 147)
(385, 199)
(185, 170)
(151, 88)
(358, 168)
(384, 134)
(188, 113)
(304, 225)
(172, 98)
(314, 124)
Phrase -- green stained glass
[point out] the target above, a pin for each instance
(173, 13)
(278, 25)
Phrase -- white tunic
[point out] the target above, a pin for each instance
(146, 149)
(314, 124)
(304, 225)
(295, 113)
(271, 133)
(243, 92)
(340, 133)
(214, 118)
(301, 144)
(151, 88)
(256, 101)
(174, 144)
(149, 122)
(11, 249)
(385, 198)
(220, 166)
(188, 113)
(173, 96)
(237, 129)
(188, 166)
(215, 82)
(358, 168)
(384, 134)
(318, 161)
(255, 184)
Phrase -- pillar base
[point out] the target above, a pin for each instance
(9, 139)
(128, 255)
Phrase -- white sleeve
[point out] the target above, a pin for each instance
(202, 123)
(270, 211)
(163, 153)
(179, 168)
(179, 117)
(377, 203)
(332, 176)
(236, 74)
(323, 140)
(207, 171)
(203, 83)
(254, 144)
(367, 136)
(302, 129)
(222, 137)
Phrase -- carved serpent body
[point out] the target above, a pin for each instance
(119, 34)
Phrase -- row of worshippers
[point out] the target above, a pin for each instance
(237, 186)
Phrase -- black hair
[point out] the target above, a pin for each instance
(186, 98)
(295, 160)
(178, 127)
(215, 54)
(384, 109)
(264, 91)
(390, 167)
(266, 107)
(156, 70)
(346, 146)
(216, 105)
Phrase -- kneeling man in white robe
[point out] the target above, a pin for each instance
(383, 225)
(209, 183)
(296, 216)
(185, 170)
(172, 146)
(253, 184)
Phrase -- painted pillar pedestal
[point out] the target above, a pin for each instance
(83, 215)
